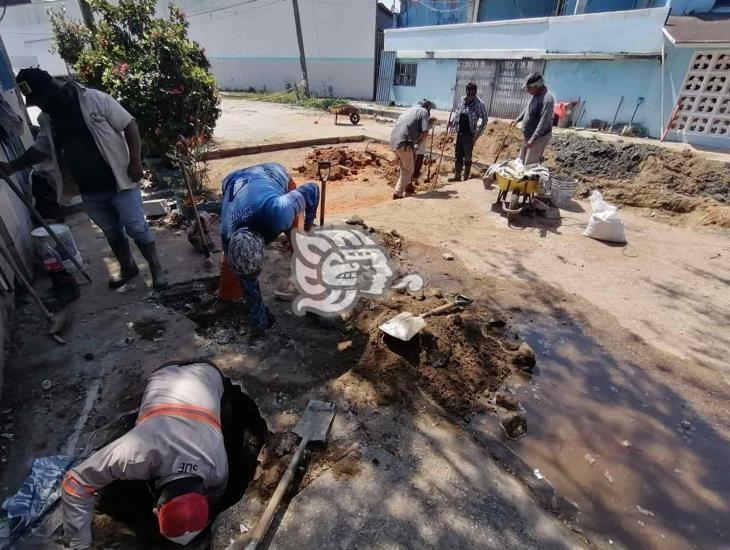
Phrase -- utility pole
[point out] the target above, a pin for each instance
(87, 14)
(300, 41)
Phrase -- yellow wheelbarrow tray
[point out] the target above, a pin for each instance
(528, 186)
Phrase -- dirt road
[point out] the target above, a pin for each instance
(624, 350)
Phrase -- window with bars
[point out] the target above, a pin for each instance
(405, 74)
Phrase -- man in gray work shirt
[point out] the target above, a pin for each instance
(410, 129)
(537, 120)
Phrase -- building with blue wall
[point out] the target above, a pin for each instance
(667, 61)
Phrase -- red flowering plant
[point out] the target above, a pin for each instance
(148, 64)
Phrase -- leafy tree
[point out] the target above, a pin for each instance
(148, 64)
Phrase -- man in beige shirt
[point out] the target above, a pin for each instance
(410, 129)
(96, 144)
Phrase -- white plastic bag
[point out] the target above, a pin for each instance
(605, 223)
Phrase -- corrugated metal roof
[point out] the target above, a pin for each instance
(705, 28)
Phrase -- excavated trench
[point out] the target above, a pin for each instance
(124, 515)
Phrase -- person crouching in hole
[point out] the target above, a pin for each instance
(259, 203)
(178, 445)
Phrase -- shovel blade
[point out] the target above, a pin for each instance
(403, 326)
(315, 421)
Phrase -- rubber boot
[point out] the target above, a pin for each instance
(127, 267)
(457, 173)
(467, 171)
(149, 251)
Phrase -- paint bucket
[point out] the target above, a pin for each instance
(561, 190)
(41, 238)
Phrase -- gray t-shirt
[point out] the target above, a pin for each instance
(409, 126)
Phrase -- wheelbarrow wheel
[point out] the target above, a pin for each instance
(355, 118)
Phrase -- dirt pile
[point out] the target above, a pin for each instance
(455, 359)
(632, 174)
(350, 164)
(487, 146)
(582, 157)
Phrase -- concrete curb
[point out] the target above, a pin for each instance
(255, 149)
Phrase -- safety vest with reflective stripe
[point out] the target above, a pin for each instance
(192, 412)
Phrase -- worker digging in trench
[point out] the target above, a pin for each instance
(259, 203)
(410, 129)
(178, 445)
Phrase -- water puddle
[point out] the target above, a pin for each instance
(645, 469)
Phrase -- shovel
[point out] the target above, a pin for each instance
(405, 326)
(314, 425)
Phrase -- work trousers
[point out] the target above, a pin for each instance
(464, 148)
(533, 155)
(406, 161)
(248, 287)
(119, 213)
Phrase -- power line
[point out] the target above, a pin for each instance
(229, 13)
(221, 8)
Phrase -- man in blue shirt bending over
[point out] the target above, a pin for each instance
(259, 203)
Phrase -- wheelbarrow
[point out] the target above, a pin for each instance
(346, 109)
(523, 191)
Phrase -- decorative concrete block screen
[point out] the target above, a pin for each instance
(704, 102)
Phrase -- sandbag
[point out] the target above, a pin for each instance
(605, 223)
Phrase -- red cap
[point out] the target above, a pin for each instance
(183, 514)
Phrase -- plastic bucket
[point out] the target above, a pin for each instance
(40, 238)
(561, 190)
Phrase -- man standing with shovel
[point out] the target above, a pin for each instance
(471, 119)
(537, 120)
(410, 129)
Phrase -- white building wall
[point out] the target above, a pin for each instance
(637, 32)
(256, 45)
(28, 39)
(249, 45)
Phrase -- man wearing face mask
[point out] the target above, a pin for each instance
(97, 146)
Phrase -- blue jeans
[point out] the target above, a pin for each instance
(119, 214)
(258, 315)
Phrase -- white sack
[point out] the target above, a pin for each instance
(605, 223)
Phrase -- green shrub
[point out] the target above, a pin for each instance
(148, 64)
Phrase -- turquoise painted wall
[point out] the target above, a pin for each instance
(602, 83)
(434, 80)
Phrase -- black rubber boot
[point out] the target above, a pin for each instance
(149, 251)
(467, 171)
(127, 267)
(457, 173)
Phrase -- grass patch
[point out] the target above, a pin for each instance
(289, 98)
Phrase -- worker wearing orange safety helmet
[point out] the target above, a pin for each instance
(176, 444)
